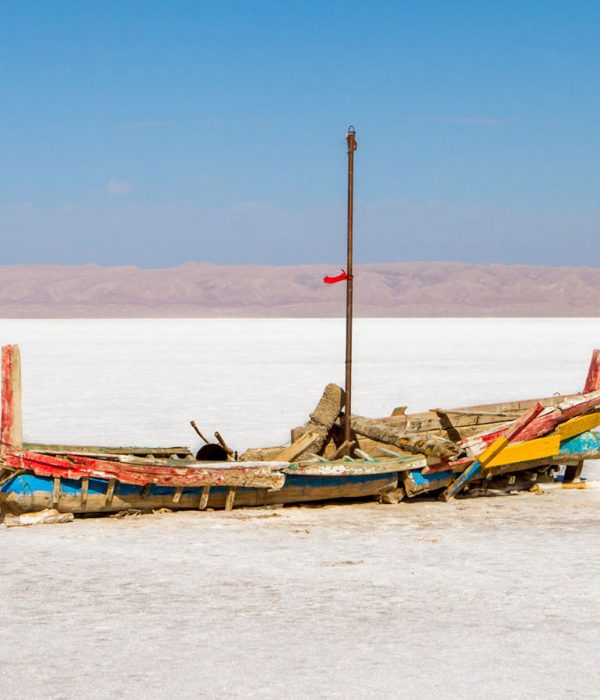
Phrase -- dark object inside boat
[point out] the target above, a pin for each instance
(211, 453)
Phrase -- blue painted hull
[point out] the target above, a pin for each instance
(27, 492)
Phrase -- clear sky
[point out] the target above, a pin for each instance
(158, 132)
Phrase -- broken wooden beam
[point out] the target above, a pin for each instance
(426, 444)
(324, 416)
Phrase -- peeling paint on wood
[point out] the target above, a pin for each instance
(11, 434)
(592, 382)
(142, 472)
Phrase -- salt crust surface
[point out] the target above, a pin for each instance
(495, 598)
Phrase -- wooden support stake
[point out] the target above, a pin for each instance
(230, 498)
(197, 429)
(110, 491)
(56, 491)
(223, 444)
(573, 472)
(85, 484)
(11, 432)
(177, 494)
(146, 490)
(204, 498)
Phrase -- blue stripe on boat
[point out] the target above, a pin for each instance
(29, 483)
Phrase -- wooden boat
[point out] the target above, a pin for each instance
(92, 479)
(26, 492)
(81, 479)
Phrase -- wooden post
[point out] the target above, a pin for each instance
(110, 490)
(352, 145)
(11, 432)
(230, 498)
(204, 498)
(592, 383)
(55, 491)
(85, 485)
(572, 472)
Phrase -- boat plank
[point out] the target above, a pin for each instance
(578, 425)
(527, 451)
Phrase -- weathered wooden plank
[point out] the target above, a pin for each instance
(467, 418)
(307, 442)
(527, 451)
(11, 430)
(592, 382)
(251, 475)
(98, 450)
(471, 413)
(261, 454)
(579, 425)
(356, 467)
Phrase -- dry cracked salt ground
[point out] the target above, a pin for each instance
(494, 598)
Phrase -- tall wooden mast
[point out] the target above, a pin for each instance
(352, 145)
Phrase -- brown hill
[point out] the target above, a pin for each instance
(206, 290)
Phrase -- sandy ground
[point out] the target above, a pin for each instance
(494, 597)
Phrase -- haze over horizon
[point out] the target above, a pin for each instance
(156, 133)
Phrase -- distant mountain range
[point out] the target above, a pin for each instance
(388, 289)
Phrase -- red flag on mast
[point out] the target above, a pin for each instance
(339, 278)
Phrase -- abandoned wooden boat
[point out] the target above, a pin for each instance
(25, 491)
(100, 479)
(516, 443)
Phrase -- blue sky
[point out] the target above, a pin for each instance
(154, 133)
